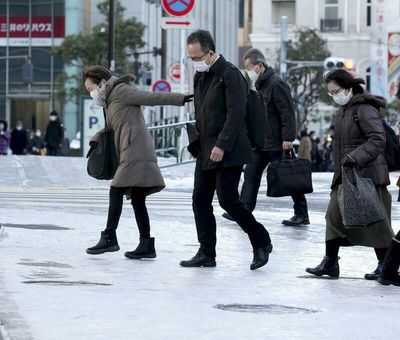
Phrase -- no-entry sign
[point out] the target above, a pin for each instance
(161, 86)
(178, 8)
(175, 71)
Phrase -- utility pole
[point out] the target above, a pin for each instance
(284, 39)
(111, 36)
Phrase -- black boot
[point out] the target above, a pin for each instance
(375, 274)
(108, 243)
(296, 221)
(145, 250)
(199, 260)
(323, 269)
(390, 265)
(261, 257)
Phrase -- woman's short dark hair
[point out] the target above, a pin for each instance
(5, 124)
(204, 38)
(96, 73)
(345, 80)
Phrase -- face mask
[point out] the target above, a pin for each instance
(1, 127)
(253, 75)
(38, 134)
(99, 95)
(19, 128)
(201, 66)
(53, 118)
(341, 98)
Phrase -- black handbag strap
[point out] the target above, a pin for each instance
(105, 120)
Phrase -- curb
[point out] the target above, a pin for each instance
(3, 333)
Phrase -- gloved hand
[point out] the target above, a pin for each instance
(349, 162)
(189, 98)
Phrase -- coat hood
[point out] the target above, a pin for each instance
(366, 98)
(114, 81)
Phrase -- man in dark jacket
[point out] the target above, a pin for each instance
(280, 134)
(222, 149)
(19, 140)
(54, 135)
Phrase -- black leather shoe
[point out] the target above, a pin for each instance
(375, 274)
(261, 257)
(145, 250)
(389, 279)
(228, 217)
(296, 221)
(199, 260)
(322, 269)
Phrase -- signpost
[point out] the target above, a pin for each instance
(175, 71)
(178, 8)
(161, 86)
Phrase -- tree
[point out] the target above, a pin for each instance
(307, 83)
(91, 49)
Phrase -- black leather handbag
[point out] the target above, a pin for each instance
(289, 176)
(102, 156)
(359, 204)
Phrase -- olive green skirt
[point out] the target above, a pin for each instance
(376, 235)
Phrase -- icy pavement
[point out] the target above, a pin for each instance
(51, 289)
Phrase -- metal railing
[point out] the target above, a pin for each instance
(170, 141)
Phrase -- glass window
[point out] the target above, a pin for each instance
(331, 9)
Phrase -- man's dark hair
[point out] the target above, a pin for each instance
(204, 38)
(96, 74)
(345, 80)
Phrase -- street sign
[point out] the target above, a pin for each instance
(178, 8)
(175, 71)
(161, 86)
(182, 23)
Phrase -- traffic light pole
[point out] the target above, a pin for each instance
(284, 38)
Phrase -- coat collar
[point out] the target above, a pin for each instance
(114, 81)
(219, 66)
(265, 77)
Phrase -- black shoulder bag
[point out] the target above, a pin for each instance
(102, 156)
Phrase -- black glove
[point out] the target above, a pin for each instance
(189, 98)
(349, 162)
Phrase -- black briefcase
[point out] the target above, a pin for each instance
(102, 156)
(289, 176)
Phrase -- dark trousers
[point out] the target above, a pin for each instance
(225, 181)
(53, 151)
(252, 178)
(138, 201)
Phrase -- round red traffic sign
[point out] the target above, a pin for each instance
(178, 8)
(161, 86)
(175, 71)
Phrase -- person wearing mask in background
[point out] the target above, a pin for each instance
(279, 136)
(19, 139)
(54, 135)
(35, 143)
(316, 157)
(5, 138)
(138, 174)
(359, 144)
(220, 97)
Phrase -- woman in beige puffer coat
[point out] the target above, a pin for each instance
(138, 174)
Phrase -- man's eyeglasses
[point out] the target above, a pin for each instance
(194, 59)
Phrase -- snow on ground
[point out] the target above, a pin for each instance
(51, 289)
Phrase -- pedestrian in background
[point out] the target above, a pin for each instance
(19, 139)
(316, 157)
(5, 138)
(220, 97)
(356, 144)
(54, 135)
(138, 174)
(305, 145)
(35, 143)
(279, 135)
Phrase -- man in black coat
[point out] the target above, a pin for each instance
(19, 140)
(54, 135)
(280, 134)
(220, 96)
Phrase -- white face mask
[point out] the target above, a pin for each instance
(19, 128)
(53, 118)
(201, 66)
(253, 75)
(38, 134)
(341, 98)
(99, 95)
